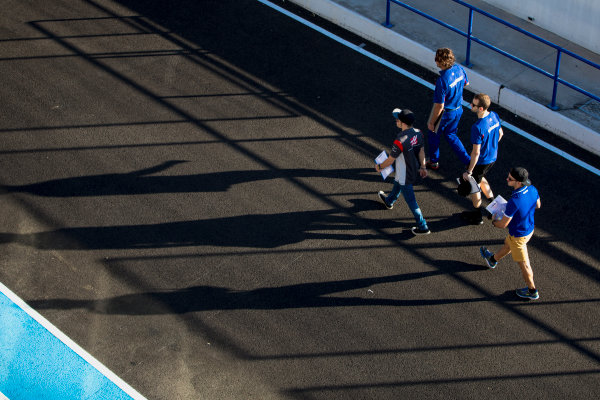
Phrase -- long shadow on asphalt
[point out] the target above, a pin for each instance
(317, 294)
(141, 181)
(253, 230)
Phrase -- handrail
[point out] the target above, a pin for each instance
(470, 38)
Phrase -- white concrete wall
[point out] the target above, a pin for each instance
(574, 20)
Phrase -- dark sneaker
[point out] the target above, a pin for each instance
(472, 217)
(420, 231)
(486, 254)
(433, 165)
(382, 197)
(486, 213)
(525, 293)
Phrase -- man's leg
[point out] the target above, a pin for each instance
(504, 251)
(449, 128)
(518, 247)
(433, 139)
(486, 189)
(530, 292)
(394, 194)
(491, 258)
(476, 199)
(527, 272)
(409, 196)
(476, 216)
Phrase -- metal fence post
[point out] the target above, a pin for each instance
(552, 105)
(470, 39)
(469, 32)
(387, 15)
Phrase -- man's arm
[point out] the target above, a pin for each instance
(501, 223)
(538, 204)
(436, 111)
(423, 168)
(500, 135)
(474, 158)
(389, 161)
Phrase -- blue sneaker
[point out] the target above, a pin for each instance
(526, 294)
(486, 254)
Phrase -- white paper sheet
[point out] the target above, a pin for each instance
(389, 169)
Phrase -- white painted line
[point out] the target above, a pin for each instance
(70, 343)
(423, 82)
(348, 44)
(3, 397)
(553, 149)
(547, 146)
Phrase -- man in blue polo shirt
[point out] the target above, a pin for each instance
(447, 108)
(518, 216)
(485, 137)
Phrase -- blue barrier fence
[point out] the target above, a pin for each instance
(470, 38)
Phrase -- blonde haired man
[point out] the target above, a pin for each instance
(447, 108)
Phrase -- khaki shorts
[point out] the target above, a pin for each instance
(518, 247)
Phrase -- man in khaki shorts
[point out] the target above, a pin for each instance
(518, 217)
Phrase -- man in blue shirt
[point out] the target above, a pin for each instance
(485, 137)
(518, 217)
(447, 108)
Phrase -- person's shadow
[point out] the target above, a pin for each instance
(317, 294)
(144, 182)
(252, 230)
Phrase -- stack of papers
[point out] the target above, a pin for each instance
(497, 207)
(389, 169)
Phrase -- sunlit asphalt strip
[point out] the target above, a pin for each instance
(37, 361)
(426, 84)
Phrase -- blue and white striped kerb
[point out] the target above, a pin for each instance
(37, 361)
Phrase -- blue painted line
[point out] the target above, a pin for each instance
(423, 82)
(37, 361)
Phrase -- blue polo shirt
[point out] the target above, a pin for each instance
(486, 132)
(521, 207)
(449, 87)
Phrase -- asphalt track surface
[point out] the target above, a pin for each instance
(188, 194)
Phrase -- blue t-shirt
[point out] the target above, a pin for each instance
(486, 132)
(521, 208)
(449, 87)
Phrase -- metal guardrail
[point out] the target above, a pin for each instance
(470, 38)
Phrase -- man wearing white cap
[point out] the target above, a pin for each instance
(409, 157)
